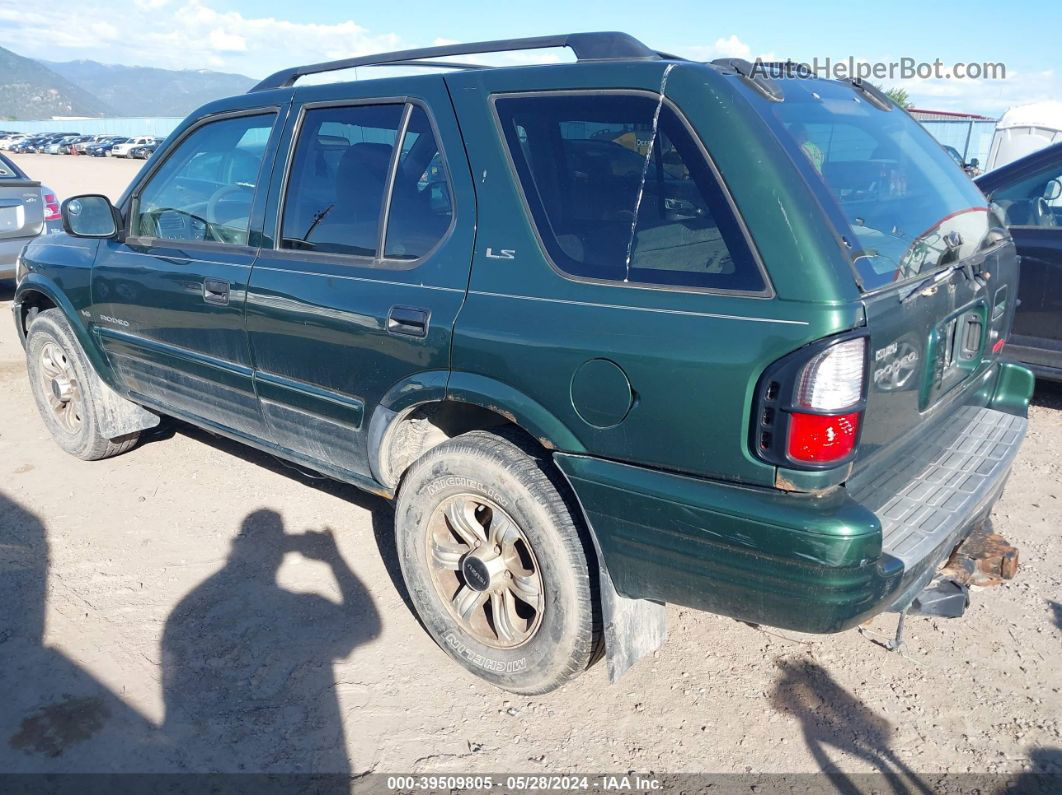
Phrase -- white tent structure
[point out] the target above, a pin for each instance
(1023, 130)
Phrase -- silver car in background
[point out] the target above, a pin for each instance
(27, 209)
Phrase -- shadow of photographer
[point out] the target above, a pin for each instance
(247, 667)
(831, 717)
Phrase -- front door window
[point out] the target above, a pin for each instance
(203, 191)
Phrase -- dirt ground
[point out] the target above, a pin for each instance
(174, 609)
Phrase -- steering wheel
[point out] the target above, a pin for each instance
(1043, 213)
(218, 196)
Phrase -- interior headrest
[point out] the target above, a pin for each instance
(360, 178)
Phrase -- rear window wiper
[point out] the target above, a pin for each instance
(930, 281)
(874, 95)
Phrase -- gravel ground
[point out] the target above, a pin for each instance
(182, 607)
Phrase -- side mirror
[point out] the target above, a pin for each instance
(1052, 190)
(91, 216)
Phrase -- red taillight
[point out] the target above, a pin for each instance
(51, 207)
(809, 404)
(817, 439)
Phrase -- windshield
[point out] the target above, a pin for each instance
(899, 191)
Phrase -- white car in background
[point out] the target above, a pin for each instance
(122, 150)
(7, 141)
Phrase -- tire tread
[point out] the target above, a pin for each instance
(511, 451)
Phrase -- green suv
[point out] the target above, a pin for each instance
(612, 333)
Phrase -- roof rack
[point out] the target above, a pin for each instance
(600, 46)
(756, 78)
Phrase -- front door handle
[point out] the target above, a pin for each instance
(408, 320)
(216, 291)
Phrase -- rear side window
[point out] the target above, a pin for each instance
(620, 191)
(204, 190)
(7, 169)
(343, 173)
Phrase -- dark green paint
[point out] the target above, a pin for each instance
(601, 393)
(1014, 386)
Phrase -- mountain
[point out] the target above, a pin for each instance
(146, 91)
(30, 90)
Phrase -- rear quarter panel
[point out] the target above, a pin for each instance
(692, 359)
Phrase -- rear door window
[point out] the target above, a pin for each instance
(338, 179)
(421, 208)
(620, 191)
(344, 173)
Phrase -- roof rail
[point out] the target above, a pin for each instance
(754, 76)
(598, 46)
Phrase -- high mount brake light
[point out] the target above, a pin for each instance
(809, 405)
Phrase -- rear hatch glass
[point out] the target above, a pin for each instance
(896, 188)
(9, 170)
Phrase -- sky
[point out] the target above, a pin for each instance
(257, 37)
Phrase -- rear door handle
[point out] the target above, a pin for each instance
(216, 291)
(408, 320)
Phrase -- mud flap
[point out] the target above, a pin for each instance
(117, 416)
(633, 628)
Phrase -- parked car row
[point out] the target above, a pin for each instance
(140, 146)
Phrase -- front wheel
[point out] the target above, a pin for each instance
(62, 388)
(494, 563)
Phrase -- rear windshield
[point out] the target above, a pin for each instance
(8, 170)
(900, 193)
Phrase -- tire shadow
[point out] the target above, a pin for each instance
(1048, 394)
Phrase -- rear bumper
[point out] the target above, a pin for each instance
(798, 561)
(10, 248)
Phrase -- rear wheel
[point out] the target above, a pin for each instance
(62, 388)
(495, 564)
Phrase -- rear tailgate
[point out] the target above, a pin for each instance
(21, 206)
(928, 347)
